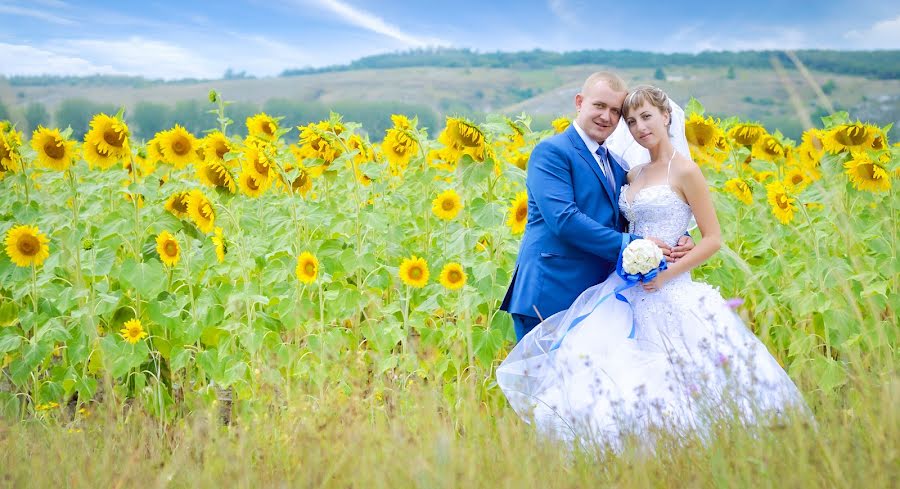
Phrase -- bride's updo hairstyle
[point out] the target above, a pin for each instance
(647, 93)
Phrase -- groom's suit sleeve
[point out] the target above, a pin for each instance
(550, 182)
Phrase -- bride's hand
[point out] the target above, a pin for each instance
(657, 282)
(666, 249)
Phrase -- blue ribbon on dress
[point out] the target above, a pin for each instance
(631, 279)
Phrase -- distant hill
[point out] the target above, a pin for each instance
(873, 64)
(435, 83)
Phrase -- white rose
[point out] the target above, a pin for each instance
(641, 256)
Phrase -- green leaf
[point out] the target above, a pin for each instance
(33, 354)
(694, 107)
(147, 278)
(9, 342)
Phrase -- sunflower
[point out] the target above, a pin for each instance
(176, 204)
(251, 186)
(144, 165)
(747, 134)
(518, 158)
(811, 149)
(739, 189)
(399, 147)
(401, 122)
(262, 126)
(109, 135)
(97, 158)
(701, 132)
(446, 205)
(221, 245)
(216, 145)
(201, 211)
(783, 206)
(849, 137)
(443, 159)
(303, 183)
(132, 331)
(307, 267)
(179, 147)
(53, 150)
(257, 163)
(518, 213)
(168, 248)
(769, 148)
(414, 272)
(560, 124)
(317, 140)
(27, 246)
(154, 149)
(796, 179)
(453, 276)
(215, 174)
(10, 159)
(364, 150)
(763, 176)
(867, 174)
(465, 137)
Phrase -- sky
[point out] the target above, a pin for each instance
(171, 39)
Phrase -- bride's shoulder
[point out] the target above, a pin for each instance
(684, 166)
(635, 171)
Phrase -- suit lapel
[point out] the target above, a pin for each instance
(591, 162)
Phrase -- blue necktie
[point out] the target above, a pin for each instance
(604, 165)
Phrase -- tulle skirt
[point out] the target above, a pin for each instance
(675, 359)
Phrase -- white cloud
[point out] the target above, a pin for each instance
(34, 13)
(881, 35)
(18, 59)
(140, 56)
(372, 22)
(775, 39)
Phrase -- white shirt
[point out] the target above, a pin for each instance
(592, 146)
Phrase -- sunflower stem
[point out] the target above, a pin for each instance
(405, 338)
(34, 299)
(76, 219)
(321, 320)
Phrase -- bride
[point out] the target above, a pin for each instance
(674, 356)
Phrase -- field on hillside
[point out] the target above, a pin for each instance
(306, 304)
(544, 94)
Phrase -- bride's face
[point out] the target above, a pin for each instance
(648, 125)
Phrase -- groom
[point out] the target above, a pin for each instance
(574, 231)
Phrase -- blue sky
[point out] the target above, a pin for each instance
(178, 39)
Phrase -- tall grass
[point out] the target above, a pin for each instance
(409, 435)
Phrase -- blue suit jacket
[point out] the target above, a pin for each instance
(574, 231)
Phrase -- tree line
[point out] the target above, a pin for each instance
(147, 118)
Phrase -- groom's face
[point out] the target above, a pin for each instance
(599, 108)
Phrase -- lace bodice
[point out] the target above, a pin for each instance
(656, 211)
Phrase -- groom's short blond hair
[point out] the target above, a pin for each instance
(615, 82)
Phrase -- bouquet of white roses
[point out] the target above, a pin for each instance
(640, 257)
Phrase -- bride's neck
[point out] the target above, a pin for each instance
(661, 152)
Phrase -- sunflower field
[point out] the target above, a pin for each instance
(190, 270)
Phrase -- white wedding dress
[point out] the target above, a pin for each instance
(688, 360)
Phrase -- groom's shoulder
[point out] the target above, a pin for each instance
(559, 141)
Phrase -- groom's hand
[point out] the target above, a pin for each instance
(666, 249)
(685, 244)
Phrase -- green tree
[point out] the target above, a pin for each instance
(731, 74)
(77, 113)
(4, 113)
(36, 115)
(829, 86)
(660, 74)
(150, 118)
